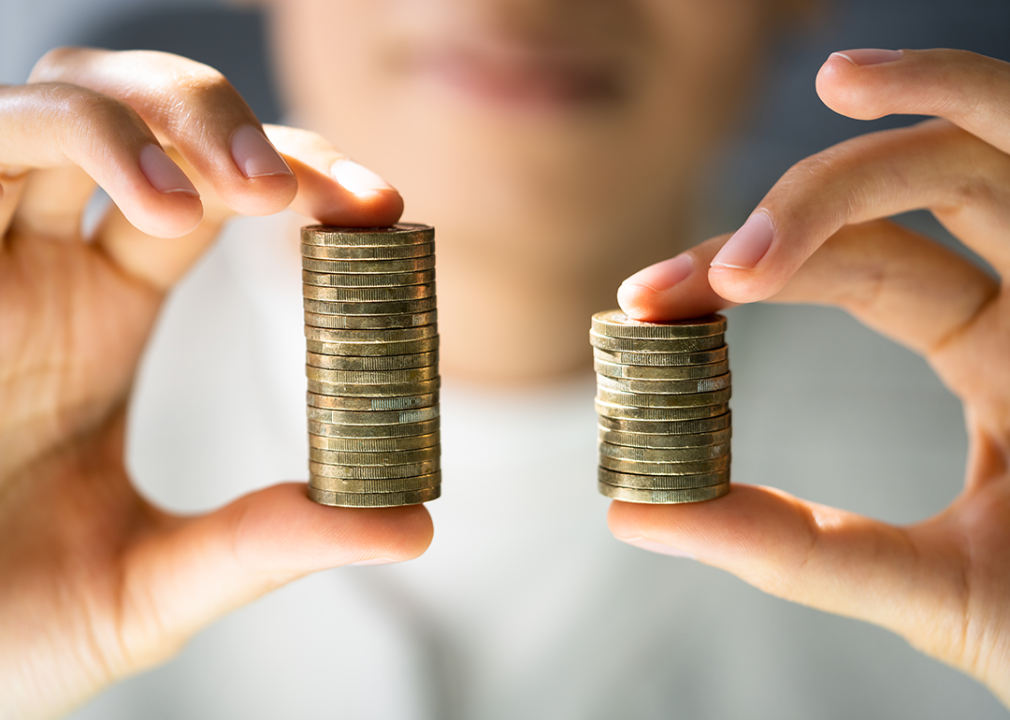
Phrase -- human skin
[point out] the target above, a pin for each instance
(818, 237)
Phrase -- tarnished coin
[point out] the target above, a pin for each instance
(661, 413)
(422, 387)
(373, 472)
(659, 442)
(373, 349)
(388, 485)
(372, 362)
(614, 323)
(400, 307)
(384, 335)
(398, 234)
(376, 377)
(664, 455)
(391, 417)
(667, 427)
(644, 400)
(672, 359)
(698, 467)
(384, 404)
(326, 428)
(374, 445)
(377, 499)
(367, 252)
(348, 282)
(369, 267)
(368, 294)
(661, 372)
(656, 345)
(371, 322)
(665, 387)
(662, 482)
(659, 497)
(398, 457)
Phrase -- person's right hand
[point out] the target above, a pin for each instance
(96, 583)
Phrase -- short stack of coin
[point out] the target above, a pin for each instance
(663, 394)
(372, 365)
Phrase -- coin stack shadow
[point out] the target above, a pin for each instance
(372, 365)
(662, 396)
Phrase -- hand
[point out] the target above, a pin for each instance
(816, 237)
(95, 583)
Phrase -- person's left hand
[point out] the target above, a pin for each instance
(817, 237)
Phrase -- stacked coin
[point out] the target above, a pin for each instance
(372, 365)
(662, 396)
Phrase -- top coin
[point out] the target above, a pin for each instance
(398, 234)
(615, 324)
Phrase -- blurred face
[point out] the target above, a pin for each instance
(556, 143)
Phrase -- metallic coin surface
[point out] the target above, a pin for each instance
(371, 322)
(663, 497)
(656, 345)
(665, 387)
(662, 482)
(391, 417)
(360, 404)
(660, 442)
(614, 323)
(395, 377)
(398, 234)
(385, 390)
(378, 499)
(374, 445)
(349, 485)
(408, 347)
(667, 427)
(698, 467)
(372, 362)
(373, 472)
(400, 307)
(383, 335)
(398, 457)
(369, 267)
(368, 294)
(366, 280)
(661, 372)
(367, 252)
(664, 455)
(325, 428)
(645, 400)
(610, 410)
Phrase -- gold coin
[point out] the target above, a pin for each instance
(698, 467)
(394, 377)
(368, 294)
(665, 387)
(367, 280)
(397, 457)
(374, 500)
(372, 363)
(644, 400)
(671, 359)
(367, 252)
(664, 455)
(373, 472)
(377, 432)
(400, 307)
(383, 404)
(384, 335)
(388, 485)
(398, 234)
(662, 482)
(369, 267)
(653, 345)
(670, 426)
(663, 497)
(371, 322)
(374, 445)
(617, 371)
(409, 347)
(659, 442)
(390, 390)
(614, 323)
(390, 417)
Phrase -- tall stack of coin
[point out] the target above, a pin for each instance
(662, 396)
(372, 365)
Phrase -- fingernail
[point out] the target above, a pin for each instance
(748, 245)
(869, 56)
(163, 174)
(372, 561)
(656, 547)
(357, 178)
(254, 156)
